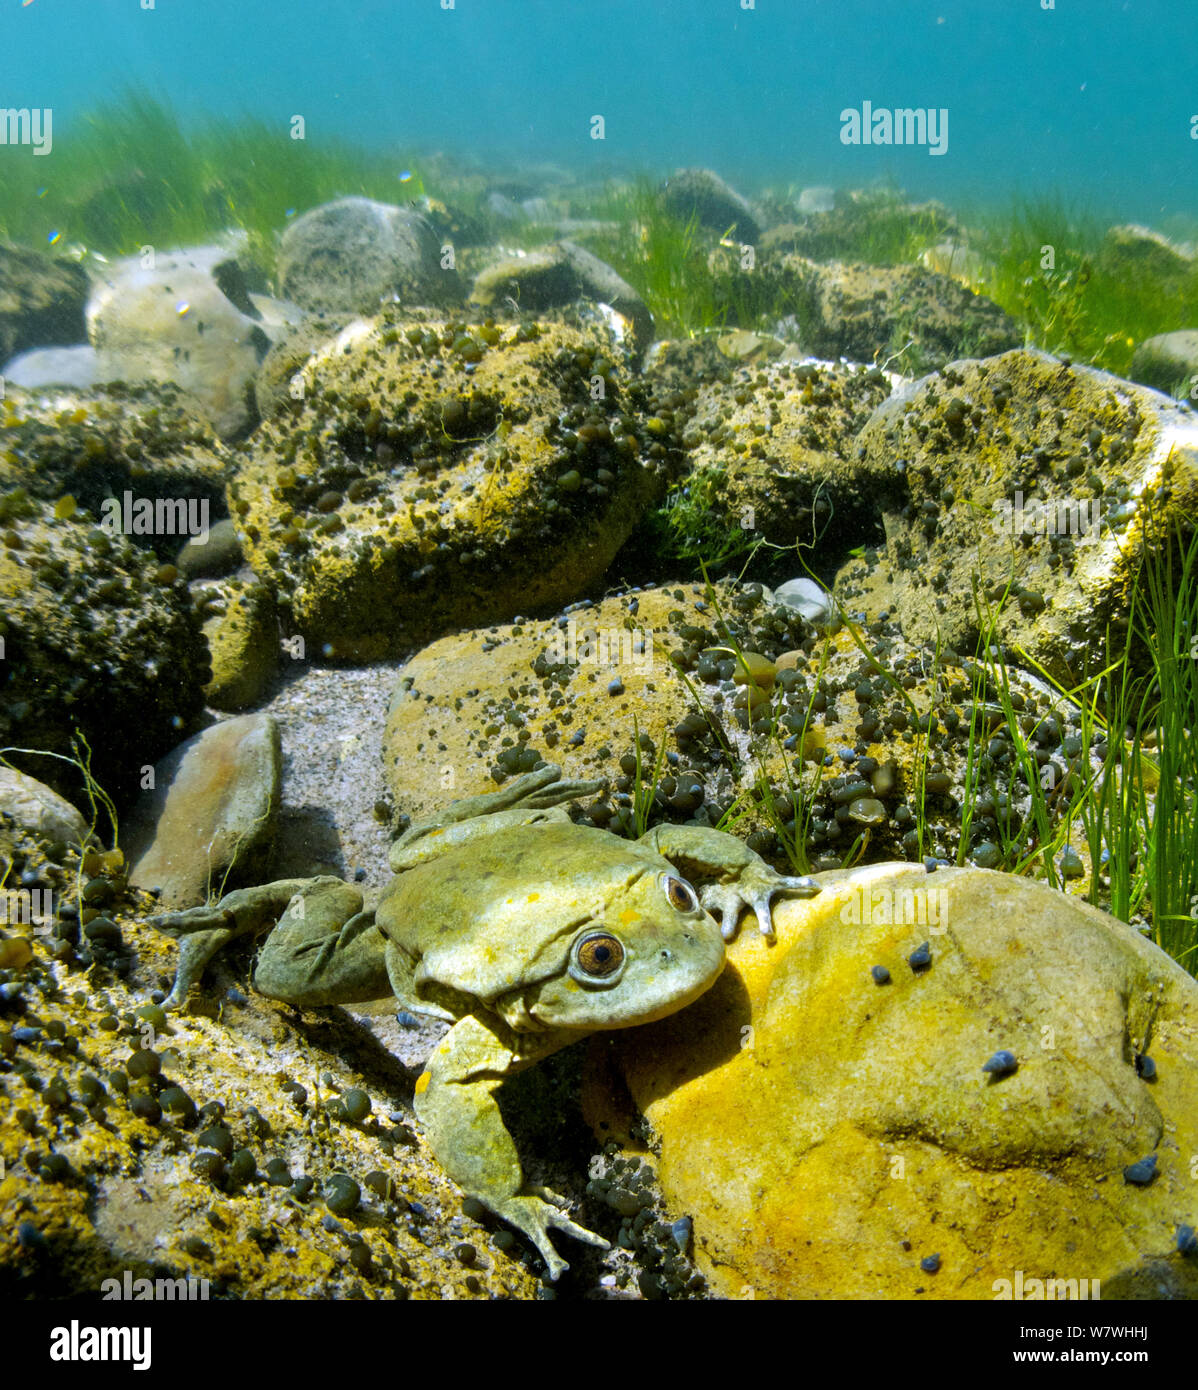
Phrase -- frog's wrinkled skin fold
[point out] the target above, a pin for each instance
(523, 930)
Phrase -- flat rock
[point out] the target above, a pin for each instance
(208, 826)
(828, 1133)
(76, 367)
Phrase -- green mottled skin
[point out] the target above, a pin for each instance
(487, 925)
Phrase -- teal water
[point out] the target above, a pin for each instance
(1094, 100)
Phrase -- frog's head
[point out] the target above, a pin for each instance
(647, 952)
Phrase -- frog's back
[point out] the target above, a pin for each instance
(490, 915)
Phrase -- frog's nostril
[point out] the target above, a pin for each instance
(667, 955)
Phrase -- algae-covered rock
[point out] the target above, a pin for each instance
(343, 258)
(41, 301)
(209, 822)
(701, 194)
(1169, 361)
(97, 637)
(433, 475)
(809, 746)
(243, 639)
(828, 1132)
(1021, 470)
(558, 274)
(774, 453)
(195, 1157)
(93, 445)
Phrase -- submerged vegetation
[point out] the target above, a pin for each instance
(132, 175)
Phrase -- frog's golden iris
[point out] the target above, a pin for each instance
(598, 956)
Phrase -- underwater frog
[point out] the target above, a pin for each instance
(524, 931)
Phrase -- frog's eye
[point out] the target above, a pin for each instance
(598, 958)
(681, 895)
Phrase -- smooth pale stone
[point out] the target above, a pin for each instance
(39, 810)
(209, 824)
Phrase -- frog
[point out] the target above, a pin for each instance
(522, 930)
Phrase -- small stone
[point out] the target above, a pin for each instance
(881, 976)
(930, 1264)
(921, 957)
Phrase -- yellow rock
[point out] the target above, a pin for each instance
(828, 1133)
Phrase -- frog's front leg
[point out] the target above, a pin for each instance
(454, 1101)
(744, 879)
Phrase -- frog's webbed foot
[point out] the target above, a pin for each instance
(755, 887)
(203, 931)
(536, 1211)
(545, 787)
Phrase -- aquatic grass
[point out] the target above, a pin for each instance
(1139, 807)
(1165, 614)
(664, 258)
(1046, 264)
(129, 174)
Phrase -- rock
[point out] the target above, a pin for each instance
(902, 316)
(506, 209)
(475, 708)
(289, 352)
(1006, 466)
(209, 824)
(828, 1133)
(1169, 362)
(397, 501)
(345, 257)
(41, 301)
(219, 554)
(863, 226)
(72, 367)
(699, 193)
(243, 640)
(556, 275)
(1138, 253)
(798, 464)
(94, 445)
(174, 323)
(94, 641)
(816, 199)
(40, 810)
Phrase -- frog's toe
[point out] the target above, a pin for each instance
(536, 1217)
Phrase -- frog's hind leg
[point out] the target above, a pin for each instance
(325, 950)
